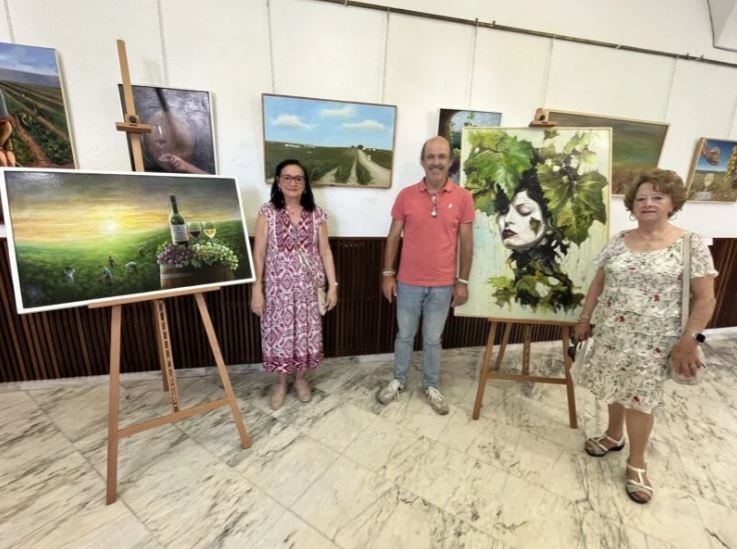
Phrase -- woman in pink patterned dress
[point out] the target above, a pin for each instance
(291, 256)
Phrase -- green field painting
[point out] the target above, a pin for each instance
(83, 238)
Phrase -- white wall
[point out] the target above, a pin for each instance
(335, 52)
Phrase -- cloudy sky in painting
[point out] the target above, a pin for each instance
(58, 207)
(327, 123)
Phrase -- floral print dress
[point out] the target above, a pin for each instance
(637, 321)
(291, 325)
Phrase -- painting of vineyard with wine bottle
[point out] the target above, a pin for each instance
(78, 238)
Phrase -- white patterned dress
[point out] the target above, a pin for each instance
(291, 325)
(637, 321)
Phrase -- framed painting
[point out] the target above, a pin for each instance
(34, 122)
(636, 144)
(542, 215)
(340, 144)
(81, 238)
(450, 125)
(181, 138)
(713, 174)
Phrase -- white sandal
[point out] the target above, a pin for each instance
(634, 487)
(594, 447)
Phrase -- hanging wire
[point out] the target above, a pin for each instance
(11, 31)
(162, 40)
(472, 70)
(670, 89)
(546, 76)
(272, 76)
(386, 54)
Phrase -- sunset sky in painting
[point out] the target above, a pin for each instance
(56, 208)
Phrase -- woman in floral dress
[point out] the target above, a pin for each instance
(291, 257)
(635, 300)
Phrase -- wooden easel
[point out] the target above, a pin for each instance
(489, 371)
(134, 129)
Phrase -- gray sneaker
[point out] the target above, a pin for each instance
(390, 392)
(437, 401)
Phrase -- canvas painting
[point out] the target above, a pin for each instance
(181, 138)
(340, 144)
(636, 146)
(713, 175)
(450, 126)
(34, 125)
(542, 213)
(78, 238)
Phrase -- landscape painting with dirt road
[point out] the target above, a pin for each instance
(340, 144)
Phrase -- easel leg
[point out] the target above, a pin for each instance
(163, 342)
(484, 373)
(526, 339)
(159, 344)
(222, 370)
(572, 418)
(113, 406)
(502, 346)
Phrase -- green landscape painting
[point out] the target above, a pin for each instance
(80, 238)
(636, 143)
(33, 104)
(340, 144)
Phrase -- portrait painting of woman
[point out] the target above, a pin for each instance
(542, 207)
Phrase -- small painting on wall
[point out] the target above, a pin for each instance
(81, 238)
(542, 216)
(450, 125)
(341, 144)
(636, 144)
(713, 175)
(181, 138)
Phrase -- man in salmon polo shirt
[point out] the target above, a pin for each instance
(435, 217)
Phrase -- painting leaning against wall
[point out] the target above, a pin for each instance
(81, 238)
(636, 144)
(542, 210)
(713, 175)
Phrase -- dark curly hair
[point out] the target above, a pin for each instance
(664, 181)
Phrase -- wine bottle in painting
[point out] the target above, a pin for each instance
(177, 225)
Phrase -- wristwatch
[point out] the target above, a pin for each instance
(697, 336)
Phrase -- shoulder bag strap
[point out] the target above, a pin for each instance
(685, 293)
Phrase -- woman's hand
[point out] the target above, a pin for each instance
(582, 330)
(684, 358)
(332, 297)
(257, 300)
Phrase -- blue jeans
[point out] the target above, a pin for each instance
(432, 303)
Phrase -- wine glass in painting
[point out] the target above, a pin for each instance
(194, 228)
(210, 229)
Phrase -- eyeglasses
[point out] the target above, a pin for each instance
(289, 178)
(434, 210)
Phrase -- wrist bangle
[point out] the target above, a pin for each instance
(388, 272)
(335, 283)
(462, 281)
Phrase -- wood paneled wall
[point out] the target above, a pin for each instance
(75, 342)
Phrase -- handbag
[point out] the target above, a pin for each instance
(685, 307)
(321, 293)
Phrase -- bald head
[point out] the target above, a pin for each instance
(439, 140)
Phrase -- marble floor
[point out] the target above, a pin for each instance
(343, 471)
